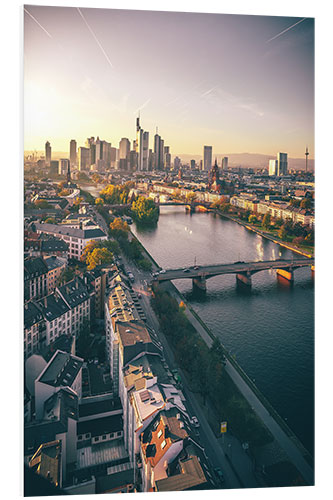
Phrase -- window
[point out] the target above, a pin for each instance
(159, 433)
(104, 437)
(163, 445)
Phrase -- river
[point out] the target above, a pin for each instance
(270, 329)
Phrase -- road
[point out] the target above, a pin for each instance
(212, 445)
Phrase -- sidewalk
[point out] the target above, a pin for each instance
(239, 460)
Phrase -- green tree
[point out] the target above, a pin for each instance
(66, 275)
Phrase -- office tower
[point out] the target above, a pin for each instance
(54, 165)
(225, 163)
(113, 157)
(151, 160)
(161, 159)
(133, 160)
(124, 151)
(63, 166)
(145, 152)
(192, 164)
(72, 153)
(157, 140)
(106, 153)
(84, 159)
(167, 157)
(207, 158)
(176, 163)
(47, 154)
(282, 164)
(272, 167)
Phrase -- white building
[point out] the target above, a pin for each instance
(77, 239)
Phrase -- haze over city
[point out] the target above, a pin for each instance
(239, 83)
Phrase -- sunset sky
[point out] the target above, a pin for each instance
(238, 83)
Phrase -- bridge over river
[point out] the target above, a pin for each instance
(242, 270)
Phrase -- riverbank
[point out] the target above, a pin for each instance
(264, 234)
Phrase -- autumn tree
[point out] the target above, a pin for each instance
(98, 257)
(145, 211)
(266, 222)
(119, 228)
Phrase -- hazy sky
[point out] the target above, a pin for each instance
(238, 83)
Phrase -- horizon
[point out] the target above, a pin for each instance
(217, 79)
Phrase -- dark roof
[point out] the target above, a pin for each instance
(74, 292)
(62, 343)
(61, 370)
(70, 231)
(52, 306)
(53, 244)
(53, 262)
(33, 267)
(32, 314)
(100, 426)
(98, 407)
(57, 409)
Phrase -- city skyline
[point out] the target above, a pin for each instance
(238, 83)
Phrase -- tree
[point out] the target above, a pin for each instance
(191, 197)
(299, 240)
(294, 203)
(50, 220)
(99, 201)
(83, 340)
(266, 222)
(42, 204)
(282, 233)
(99, 256)
(145, 211)
(66, 275)
(119, 228)
(306, 203)
(252, 219)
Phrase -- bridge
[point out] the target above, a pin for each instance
(242, 270)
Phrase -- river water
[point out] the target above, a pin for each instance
(270, 329)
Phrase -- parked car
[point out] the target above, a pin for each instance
(195, 421)
(186, 270)
(162, 271)
(219, 475)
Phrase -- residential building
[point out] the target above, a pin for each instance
(207, 158)
(33, 326)
(55, 266)
(35, 278)
(77, 239)
(62, 371)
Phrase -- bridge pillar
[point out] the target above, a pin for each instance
(199, 282)
(244, 278)
(285, 273)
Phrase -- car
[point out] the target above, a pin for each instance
(196, 267)
(139, 295)
(186, 270)
(162, 271)
(195, 421)
(219, 474)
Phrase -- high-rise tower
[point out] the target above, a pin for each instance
(47, 154)
(306, 159)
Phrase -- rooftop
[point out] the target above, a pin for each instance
(98, 426)
(74, 292)
(70, 231)
(99, 407)
(61, 370)
(132, 332)
(46, 461)
(52, 306)
(33, 267)
(147, 402)
(109, 452)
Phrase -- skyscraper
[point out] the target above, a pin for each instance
(72, 153)
(272, 167)
(47, 154)
(124, 151)
(63, 166)
(167, 157)
(225, 163)
(282, 164)
(207, 158)
(84, 160)
(142, 146)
